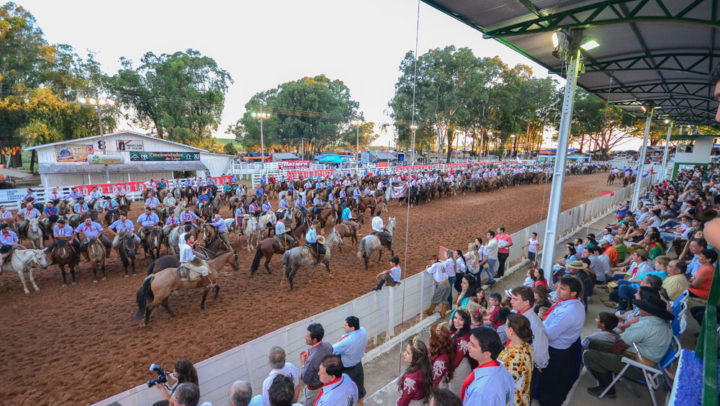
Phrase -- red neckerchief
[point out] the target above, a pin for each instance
(553, 307)
(188, 244)
(321, 390)
(471, 377)
(87, 226)
(6, 233)
(28, 211)
(172, 220)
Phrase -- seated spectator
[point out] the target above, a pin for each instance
(542, 301)
(676, 283)
(338, 388)
(463, 362)
(695, 247)
(417, 382)
(391, 277)
(444, 397)
(600, 264)
(276, 358)
(490, 384)
(701, 282)
(538, 276)
(494, 308)
(606, 323)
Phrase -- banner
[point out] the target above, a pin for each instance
(105, 159)
(293, 165)
(73, 153)
(130, 145)
(163, 156)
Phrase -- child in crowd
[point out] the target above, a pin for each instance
(533, 246)
(606, 323)
(392, 276)
(502, 316)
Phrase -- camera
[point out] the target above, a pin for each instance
(161, 378)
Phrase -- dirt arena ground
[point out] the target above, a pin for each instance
(79, 344)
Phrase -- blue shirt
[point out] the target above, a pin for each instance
(220, 225)
(239, 212)
(351, 347)
(74, 195)
(31, 196)
(266, 206)
(30, 214)
(8, 239)
(152, 202)
(90, 231)
(123, 227)
(284, 204)
(693, 266)
(311, 236)
(187, 216)
(252, 208)
(491, 385)
(80, 208)
(565, 323)
(148, 220)
(66, 231)
(204, 198)
(260, 191)
(346, 213)
(50, 210)
(172, 220)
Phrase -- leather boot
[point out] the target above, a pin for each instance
(430, 310)
(443, 310)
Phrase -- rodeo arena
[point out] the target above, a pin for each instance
(484, 282)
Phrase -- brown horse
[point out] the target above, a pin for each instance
(96, 254)
(166, 261)
(153, 241)
(267, 248)
(64, 254)
(346, 230)
(157, 287)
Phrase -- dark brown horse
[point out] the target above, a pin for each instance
(267, 248)
(167, 261)
(64, 254)
(128, 251)
(153, 241)
(346, 230)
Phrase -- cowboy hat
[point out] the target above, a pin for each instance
(576, 265)
(706, 215)
(321, 240)
(655, 306)
(641, 252)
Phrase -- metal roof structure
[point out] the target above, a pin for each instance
(123, 132)
(650, 51)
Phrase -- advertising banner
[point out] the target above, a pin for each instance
(73, 153)
(293, 165)
(163, 156)
(105, 159)
(130, 145)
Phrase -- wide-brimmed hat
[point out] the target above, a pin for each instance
(641, 252)
(706, 215)
(655, 306)
(321, 240)
(576, 265)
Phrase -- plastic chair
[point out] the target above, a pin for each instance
(679, 324)
(654, 376)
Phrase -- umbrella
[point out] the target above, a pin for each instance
(333, 159)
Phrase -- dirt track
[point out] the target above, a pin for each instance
(78, 345)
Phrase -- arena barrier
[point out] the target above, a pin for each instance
(379, 312)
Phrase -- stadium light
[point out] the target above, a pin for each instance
(592, 44)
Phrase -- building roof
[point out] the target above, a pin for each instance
(131, 167)
(96, 137)
(279, 156)
(659, 52)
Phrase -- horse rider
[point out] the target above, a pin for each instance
(50, 212)
(347, 218)
(189, 217)
(260, 191)
(171, 222)
(149, 184)
(311, 239)
(162, 184)
(253, 209)
(94, 195)
(301, 203)
(92, 229)
(239, 216)
(169, 200)
(110, 203)
(379, 229)
(318, 205)
(282, 235)
(266, 207)
(9, 240)
(5, 215)
(284, 205)
(30, 212)
(356, 194)
(53, 196)
(62, 231)
(74, 194)
(121, 227)
(147, 220)
(191, 261)
(119, 191)
(80, 207)
(205, 197)
(222, 230)
(31, 197)
(152, 202)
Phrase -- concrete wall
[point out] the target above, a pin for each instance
(701, 152)
(217, 164)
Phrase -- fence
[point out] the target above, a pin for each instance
(379, 312)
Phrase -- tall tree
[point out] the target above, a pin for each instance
(605, 125)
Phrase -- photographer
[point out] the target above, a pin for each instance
(183, 372)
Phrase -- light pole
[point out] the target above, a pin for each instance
(667, 146)
(413, 127)
(97, 103)
(357, 124)
(260, 116)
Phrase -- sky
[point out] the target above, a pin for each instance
(265, 43)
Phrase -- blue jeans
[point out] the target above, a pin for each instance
(490, 270)
(451, 280)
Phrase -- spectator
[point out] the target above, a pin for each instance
(493, 254)
(702, 280)
(522, 301)
(538, 276)
(450, 269)
(494, 308)
(416, 383)
(183, 371)
(391, 277)
(606, 323)
(338, 388)
(186, 394)
(695, 247)
(579, 270)
(276, 358)
(281, 391)
(442, 355)
(240, 393)
(462, 361)
(310, 360)
(444, 397)
(676, 283)
(533, 246)
(504, 244)
(490, 384)
(442, 287)
(600, 264)
(501, 317)
(351, 349)
(518, 356)
(542, 301)
(563, 322)
(467, 293)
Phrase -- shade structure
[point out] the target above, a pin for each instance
(659, 51)
(332, 159)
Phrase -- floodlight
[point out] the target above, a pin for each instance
(592, 44)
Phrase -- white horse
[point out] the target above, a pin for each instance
(22, 261)
(371, 242)
(296, 257)
(35, 234)
(263, 221)
(251, 231)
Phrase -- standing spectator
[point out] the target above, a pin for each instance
(504, 244)
(484, 265)
(461, 337)
(442, 356)
(522, 301)
(450, 269)
(492, 254)
(351, 349)
(416, 383)
(183, 372)
(338, 388)
(442, 287)
(311, 359)
(467, 293)
(563, 322)
(518, 356)
(240, 394)
(490, 384)
(533, 246)
(281, 391)
(276, 358)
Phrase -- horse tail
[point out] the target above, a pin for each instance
(361, 248)
(256, 261)
(143, 295)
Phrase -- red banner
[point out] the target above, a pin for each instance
(107, 188)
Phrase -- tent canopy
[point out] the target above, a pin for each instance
(659, 51)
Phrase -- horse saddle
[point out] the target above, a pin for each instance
(193, 270)
(382, 237)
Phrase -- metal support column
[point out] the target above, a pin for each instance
(102, 137)
(556, 191)
(641, 159)
(667, 149)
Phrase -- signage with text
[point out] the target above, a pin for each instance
(290, 165)
(129, 145)
(105, 159)
(163, 156)
(73, 153)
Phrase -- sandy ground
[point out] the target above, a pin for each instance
(79, 344)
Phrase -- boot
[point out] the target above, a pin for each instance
(430, 310)
(443, 310)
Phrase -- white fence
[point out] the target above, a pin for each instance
(379, 312)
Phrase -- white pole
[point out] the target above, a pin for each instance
(357, 146)
(641, 166)
(102, 137)
(667, 149)
(262, 144)
(556, 191)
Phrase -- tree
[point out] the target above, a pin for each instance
(605, 125)
(229, 149)
(181, 95)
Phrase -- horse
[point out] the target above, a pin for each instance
(65, 254)
(371, 242)
(96, 254)
(22, 261)
(296, 257)
(173, 239)
(34, 233)
(263, 221)
(610, 179)
(111, 216)
(128, 250)
(156, 288)
(346, 230)
(123, 203)
(153, 242)
(251, 230)
(266, 248)
(166, 261)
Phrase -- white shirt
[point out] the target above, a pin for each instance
(186, 253)
(396, 273)
(449, 267)
(288, 370)
(540, 338)
(491, 248)
(377, 224)
(279, 228)
(438, 272)
(533, 245)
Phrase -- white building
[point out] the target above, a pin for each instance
(129, 157)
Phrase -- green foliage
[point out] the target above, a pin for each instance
(604, 124)
(229, 149)
(182, 95)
